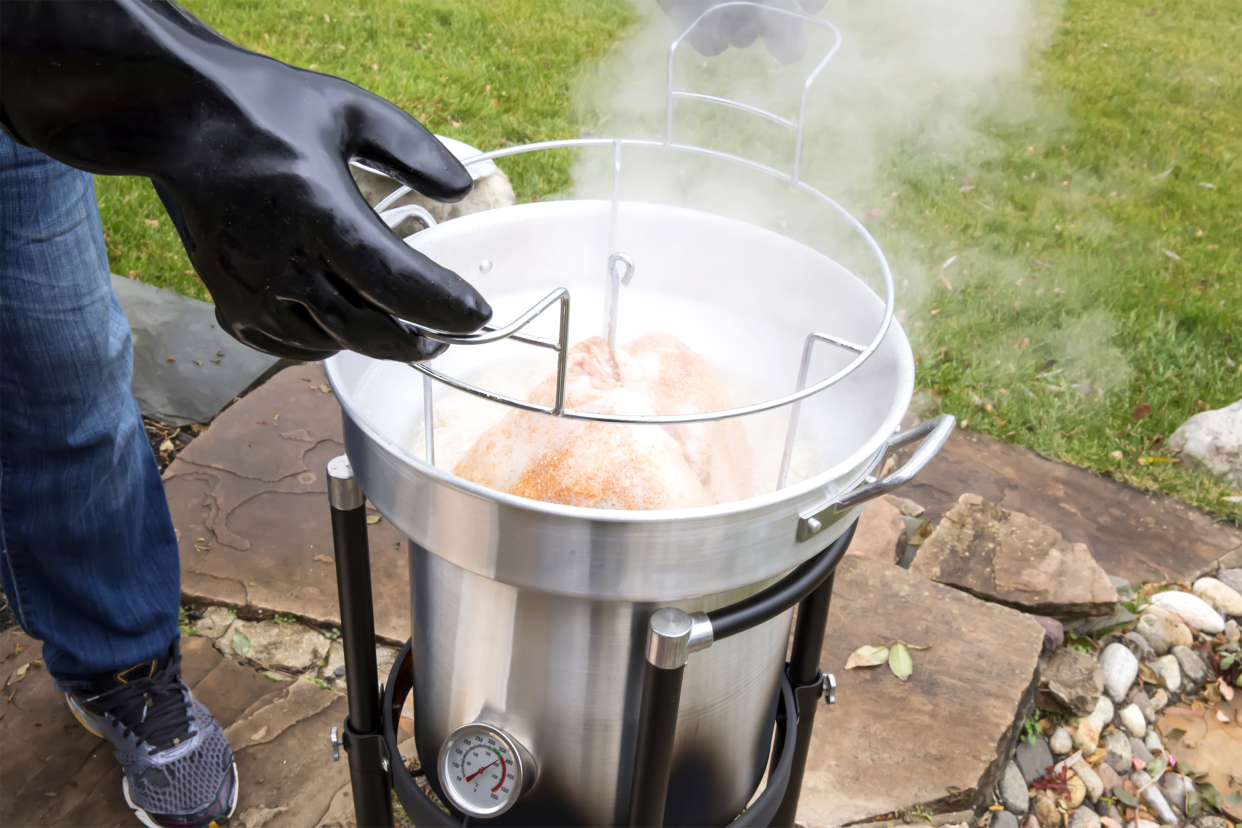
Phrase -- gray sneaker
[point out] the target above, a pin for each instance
(178, 766)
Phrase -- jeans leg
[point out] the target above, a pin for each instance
(89, 556)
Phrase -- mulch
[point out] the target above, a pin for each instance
(167, 441)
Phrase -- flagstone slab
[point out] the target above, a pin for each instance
(938, 740)
(186, 368)
(1133, 534)
(249, 501)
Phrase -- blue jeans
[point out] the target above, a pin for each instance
(88, 555)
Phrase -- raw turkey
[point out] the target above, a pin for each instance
(618, 466)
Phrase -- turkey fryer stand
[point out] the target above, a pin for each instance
(369, 734)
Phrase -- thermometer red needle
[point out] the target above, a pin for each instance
(480, 770)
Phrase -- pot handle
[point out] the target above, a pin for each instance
(933, 433)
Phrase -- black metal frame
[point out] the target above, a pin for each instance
(377, 769)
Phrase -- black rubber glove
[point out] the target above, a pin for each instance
(740, 26)
(249, 156)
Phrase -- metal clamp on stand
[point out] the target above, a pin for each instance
(363, 735)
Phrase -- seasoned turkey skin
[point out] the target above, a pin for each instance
(617, 466)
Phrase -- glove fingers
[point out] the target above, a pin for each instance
(362, 328)
(397, 145)
(784, 36)
(391, 276)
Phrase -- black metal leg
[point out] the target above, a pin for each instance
(668, 633)
(808, 684)
(363, 735)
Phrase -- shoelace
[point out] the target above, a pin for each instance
(154, 709)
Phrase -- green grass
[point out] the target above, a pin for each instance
(1094, 248)
(1062, 225)
(488, 72)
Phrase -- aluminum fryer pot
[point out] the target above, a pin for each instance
(530, 616)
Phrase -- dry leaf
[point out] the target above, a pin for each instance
(899, 661)
(323, 559)
(167, 445)
(1226, 691)
(325, 388)
(944, 281)
(373, 519)
(1140, 411)
(153, 222)
(868, 655)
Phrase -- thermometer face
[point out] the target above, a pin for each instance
(481, 770)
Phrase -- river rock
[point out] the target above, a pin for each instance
(1117, 753)
(1109, 776)
(1174, 626)
(1060, 742)
(1232, 633)
(1133, 721)
(1030, 822)
(1140, 751)
(1144, 823)
(1211, 821)
(1194, 670)
(1174, 786)
(1154, 632)
(1013, 559)
(1219, 594)
(1054, 633)
(1013, 792)
(1137, 696)
(1095, 786)
(1077, 791)
(1033, 759)
(1159, 699)
(1231, 578)
(1125, 592)
(1074, 679)
(1154, 798)
(1087, 734)
(1045, 809)
(1138, 645)
(1212, 440)
(881, 532)
(1152, 741)
(1192, 609)
(1169, 671)
(1003, 819)
(1084, 817)
(1120, 669)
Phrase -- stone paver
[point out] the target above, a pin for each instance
(938, 740)
(207, 369)
(249, 500)
(1139, 536)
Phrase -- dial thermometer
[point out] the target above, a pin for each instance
(484, 770)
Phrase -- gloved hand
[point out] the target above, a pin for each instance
(249, 156)
(739, 26)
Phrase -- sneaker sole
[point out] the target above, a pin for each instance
(77, 714)
(146, 819)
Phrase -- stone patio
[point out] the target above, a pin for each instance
(248, 499)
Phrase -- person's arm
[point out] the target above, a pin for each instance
(249, 156)
(740, 26)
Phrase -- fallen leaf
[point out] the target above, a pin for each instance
(373, 519)
(944, 281)
(1140, 411)
(1175, 734)
(241, 643)
(169, 359)
(323, 559)
(18, 674)
(325, 389)
(1139, 764)
(153, 222)
(1116, 455)
(868, 655)
(1125, 797)
(259, 734)
(17, 650)
(1226, 691)
(899, 661)
(167, 445)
